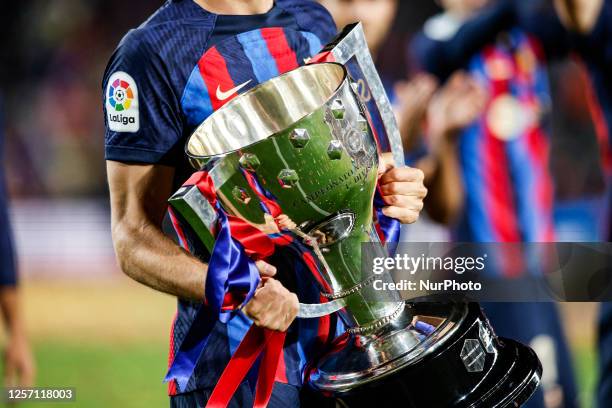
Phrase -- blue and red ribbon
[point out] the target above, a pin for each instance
(231, 281)
(388, 228)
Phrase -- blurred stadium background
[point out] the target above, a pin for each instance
(91, 327)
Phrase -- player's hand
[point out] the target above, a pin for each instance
(412, 99)
(19, 367)
(273, 306)
(402, 189)
(459, 103)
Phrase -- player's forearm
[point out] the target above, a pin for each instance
(11, 314)
(146, 255)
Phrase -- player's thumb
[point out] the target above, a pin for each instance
(265, 269)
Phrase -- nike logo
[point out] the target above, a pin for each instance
(223, 95)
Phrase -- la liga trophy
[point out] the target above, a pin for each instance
(309, 141)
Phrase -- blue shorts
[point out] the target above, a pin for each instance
(8, 274)
(283, 396)
(538, 325)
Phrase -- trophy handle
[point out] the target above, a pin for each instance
(350, 49)
(309, 311)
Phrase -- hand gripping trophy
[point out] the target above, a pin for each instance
(308, 143)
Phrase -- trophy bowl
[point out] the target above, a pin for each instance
(301, 147)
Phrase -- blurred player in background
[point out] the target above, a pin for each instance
(17, 358)
(590, 26)
(590, 23)
(503, 155)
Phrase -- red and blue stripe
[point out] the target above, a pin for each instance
(509, 191)
(255, 56)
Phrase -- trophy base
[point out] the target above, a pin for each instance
(461, 363)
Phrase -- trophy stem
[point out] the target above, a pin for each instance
(366, 309)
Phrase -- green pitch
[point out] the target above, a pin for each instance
(109, 341)
(103, 375)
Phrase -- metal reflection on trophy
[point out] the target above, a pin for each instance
(304, 143)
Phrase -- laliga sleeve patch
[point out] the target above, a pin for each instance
(122, 103)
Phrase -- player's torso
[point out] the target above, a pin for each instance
(504, 154)
(214, 61)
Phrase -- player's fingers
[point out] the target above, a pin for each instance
(402, 174)
(420, 89)
(402, 87)
(283, 221)
(457, 80)
(404, 215)
(403, 201)
(407, 188)
(478, 94)
(427, 85)
(468, 113)
(422, 97)
(265, 269)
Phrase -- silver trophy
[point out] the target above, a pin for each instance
(305, 143)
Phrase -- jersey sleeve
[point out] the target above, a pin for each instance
(142, 114)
